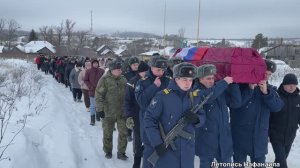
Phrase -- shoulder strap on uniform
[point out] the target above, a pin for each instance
(167, 91)
(195, 93)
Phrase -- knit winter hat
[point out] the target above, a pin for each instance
(133, 60)
(143, 66)
(205, 70)
(290, 79)
(271, 66)
(184, 69)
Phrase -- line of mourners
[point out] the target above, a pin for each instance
(148, 99)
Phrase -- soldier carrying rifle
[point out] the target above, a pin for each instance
(164, 115)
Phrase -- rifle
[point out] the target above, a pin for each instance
(176, 131)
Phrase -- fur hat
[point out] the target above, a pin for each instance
(133, 60)
(174, 61)
(115, 64)
(290, 79)
(143, 67)
(158, 62)
(271, 66)
(205, 70)
(184, 70)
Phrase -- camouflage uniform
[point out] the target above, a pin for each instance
(109, 96)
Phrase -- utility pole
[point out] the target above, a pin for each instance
(198, 24)
(165, 13)
(91, 21)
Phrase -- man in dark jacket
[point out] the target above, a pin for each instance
(131, 110)
(91, 79)
(284, 124)
(133, 64)
(250, 122)
(213, 139)
(146, 88)
(68, 70)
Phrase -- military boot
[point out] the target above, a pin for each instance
(92, 120)
(137, 162)
(122, 156)
(98, 116)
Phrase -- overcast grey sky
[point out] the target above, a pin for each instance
(219, 18)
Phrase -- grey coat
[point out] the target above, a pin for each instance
(73, 78)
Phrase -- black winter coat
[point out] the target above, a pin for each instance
(284, 124)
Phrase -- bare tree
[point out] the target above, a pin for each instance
(44, 31)
(50, 34)
(82, 40)
(13, 27)
(59, 32)
(69, 26)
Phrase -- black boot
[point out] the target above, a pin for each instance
(98, 116)
(122, 156)
(137, 162)
(92, 120)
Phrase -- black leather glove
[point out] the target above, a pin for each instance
(191, 117)
(101, 114)
(160, 149)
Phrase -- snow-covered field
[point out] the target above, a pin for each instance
(60, 136)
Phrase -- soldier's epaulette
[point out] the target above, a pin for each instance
(169, 77)
(166, 91)
(195, 93)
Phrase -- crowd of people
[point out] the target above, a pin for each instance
(147, 100)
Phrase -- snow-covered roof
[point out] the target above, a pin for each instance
(263, 49)
(119, 51)
(150, 53)
(35, 46)
(105, 51)
(1, 49)
(169, 51)
(100, 48)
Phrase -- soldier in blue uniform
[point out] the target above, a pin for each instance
(131, 112)
(146, 88)
(165, 109)
(250, 122)
(133, 64)
(213, 139)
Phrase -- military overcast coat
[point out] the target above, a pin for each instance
(167, 108)
(145, 90)
(250, 122)
(214, 139)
